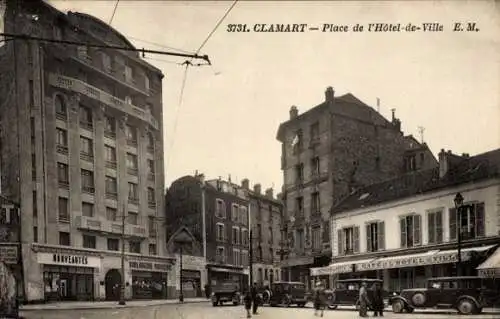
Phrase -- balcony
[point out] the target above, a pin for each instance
(103, 225)
(132, 143)
(89, 223)
(132, 171)
(92, 92)
(86, 157)
(88, 189)
(89, 126)
(151, 204)
(110, 134)
(62, 116)
(62, 149)
(134, 201)
(111, 164)
(64, 184)
(111, 195)
(64, 218)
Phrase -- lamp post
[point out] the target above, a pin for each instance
(459, 200)
(122, 257)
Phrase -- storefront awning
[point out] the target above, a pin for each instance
(337, 268)
(491, 267)
(451, 256)
(397, 261)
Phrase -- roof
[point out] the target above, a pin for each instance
(479, 167)
(182, 234)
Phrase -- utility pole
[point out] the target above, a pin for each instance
(203, 218)
(250, 259)
(122, 288)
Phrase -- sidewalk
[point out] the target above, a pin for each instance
(486, 311)
(81, 305)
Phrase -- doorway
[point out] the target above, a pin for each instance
(113, 281)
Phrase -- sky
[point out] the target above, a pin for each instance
(447, 82)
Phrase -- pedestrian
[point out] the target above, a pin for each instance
(378, 301)
(319, 299)
(363, 300)
(255, 298)
(247, 301)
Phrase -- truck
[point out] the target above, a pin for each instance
(226, 292)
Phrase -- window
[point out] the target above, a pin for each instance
(86, 149)
(314, 131)
(152, 226)
(297, 142)
(129, 74)
(244, 215)
(435, 226)
(411, 163)
(259, 253)
(220, 255)
(470, 220)
(375, 236)
(128, 100)
(236, 257)
(265, 274)
(271, 236)
(299, 173)
(135, 247)
(151, 142)
(60, 106)
(85, 117)
(151, 197)
(33, 166)
(133, 218)
(62, 175)
(219, 232)
(315, 203)
(316, 238)
(235, 235)
(113, 244)
(410, 231)
(348, 240)
(151, 168)
(106, 62)
(35, 203)
(111, 213)
(299, 206)
(326, 231)
(244, 237)
(62, 141)
(152, 249)
(82, 52)
(244, 258)
(64, 239)
(146, 83)
(87, 181)
(234, 212)
(220, 208)
(32, 128)
(31, 93)
(110, 156)
(131, 164)
(132, 193)
(109, 127)
(111, 187)
(300, 240)
(63, 209)
(131, 133)
(87, 209)
(315, 168)
(35, 234)
(88, 241)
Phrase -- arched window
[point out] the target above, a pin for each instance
(60, 105)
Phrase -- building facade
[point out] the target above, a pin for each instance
(266, 213)
(327, 152)
(406, 230)
(216, 213)
(82, 147)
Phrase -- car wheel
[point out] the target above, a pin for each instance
(214, 303)
(466, 306)
(331, 302)
(409, 309)
(398, 306)
(332, 307)
(478, 311)
(286, 302)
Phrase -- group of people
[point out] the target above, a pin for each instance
(375, 301)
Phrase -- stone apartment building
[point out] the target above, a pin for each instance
(82, 146)
(328, 152)
(266, 212)
(223, 231)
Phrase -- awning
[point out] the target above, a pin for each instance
(491, 267)
(397, 261)
(337, 268)
(451, 256)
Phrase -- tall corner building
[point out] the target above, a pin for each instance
(82, 147)
(329, 151)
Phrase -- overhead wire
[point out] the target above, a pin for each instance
(114, 11)
(181, 95)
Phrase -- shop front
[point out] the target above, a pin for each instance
(149, 279)
(68, 276)
(298, 269)
(194, 275)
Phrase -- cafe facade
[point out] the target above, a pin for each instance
(60, 273)
(406, 230)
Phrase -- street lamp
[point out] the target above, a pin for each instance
(459, 200)
(181, 240)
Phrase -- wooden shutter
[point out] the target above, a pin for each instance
(381, 235)
(402, 224)
(480, 227)
(356, 239)
(431, 227)
(340, 243)
(439, 226)
(368, 238)
(417, 230)
(453, 223)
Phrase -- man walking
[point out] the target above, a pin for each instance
(363, 300)
(378, 301)
(319, 299)
(255, 298)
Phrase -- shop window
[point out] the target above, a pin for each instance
(435, 226)
(135, 247)
(348, 240)
(64, 239)
(375, 236)
(470, 221)
(89, 241)
(411, 232)
(113, 244)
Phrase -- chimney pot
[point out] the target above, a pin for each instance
(294, 112)
(329, 94)
(257, 188)
(245, 183)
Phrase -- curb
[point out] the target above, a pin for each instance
(115, 306)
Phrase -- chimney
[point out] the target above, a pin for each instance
(269, 193)
(443, 163)
(201, 177)
(257, 188)
(466, 155)
(393, 115)
(329, 94)
(294, 112)
(245, 183)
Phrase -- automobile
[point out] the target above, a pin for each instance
(346, 292)
(225, 292)
(467, 294)
(287, 293)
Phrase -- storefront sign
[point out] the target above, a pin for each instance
(411, 261)
(190, 274)
(220, 269)
(489, 273)
(9, 254)
(69, 260)
(332, 269)
(148, 266)
(300, 261)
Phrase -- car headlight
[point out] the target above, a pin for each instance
(212, 294)
(394, 294)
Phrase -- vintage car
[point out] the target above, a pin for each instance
(288, 293)
(225, 292)
(346, 292)
(467, 294)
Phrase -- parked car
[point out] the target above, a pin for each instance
(346, 292)
(225, 292)
(288, 293)
(468, 294)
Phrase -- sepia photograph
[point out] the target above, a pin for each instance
(170, 159)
